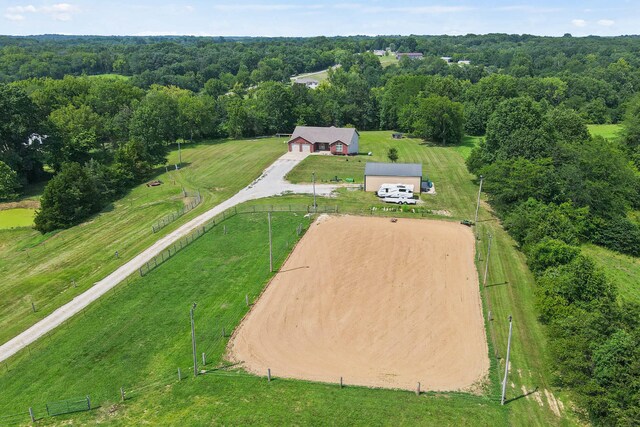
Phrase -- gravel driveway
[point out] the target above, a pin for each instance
(270, 183)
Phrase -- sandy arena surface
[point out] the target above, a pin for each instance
(381, 304)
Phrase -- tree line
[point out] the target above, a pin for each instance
(554, 186)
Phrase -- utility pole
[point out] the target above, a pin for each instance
(506, 367)
(315, 206)
(475, 222)
(193, 342)
(486, 267)
(270, 245)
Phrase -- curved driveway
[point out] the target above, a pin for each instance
(270, 183)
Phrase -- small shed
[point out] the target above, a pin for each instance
(396, 135)
(376, 174)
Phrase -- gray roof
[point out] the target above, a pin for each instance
(393, 169)
(323, 134)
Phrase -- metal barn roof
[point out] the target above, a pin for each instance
(393, 169)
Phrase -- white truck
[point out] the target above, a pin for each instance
(387, 190)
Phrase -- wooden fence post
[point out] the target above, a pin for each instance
(269, 374)
(340, 382)
(418, 390)
(179, 375)
(33, 418)
(122, 396)
(88, 403)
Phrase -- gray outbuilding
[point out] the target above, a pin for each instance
(376, 174)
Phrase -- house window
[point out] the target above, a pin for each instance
(339, 147)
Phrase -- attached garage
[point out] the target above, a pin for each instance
(376, 174)
(339, 141)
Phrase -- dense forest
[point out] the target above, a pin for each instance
(93, 136)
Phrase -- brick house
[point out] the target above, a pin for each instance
(341, 141)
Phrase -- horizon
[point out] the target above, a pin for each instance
(331, 18)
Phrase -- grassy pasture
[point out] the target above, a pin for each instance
(19, 217)
(139, 335)
(623, 269)
(110, 76)
(605, 131)
(387, 60)
(40, 268)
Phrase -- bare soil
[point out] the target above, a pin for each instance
(380, 304)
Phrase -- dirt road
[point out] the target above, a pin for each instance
(270, 183)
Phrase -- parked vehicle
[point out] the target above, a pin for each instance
(387, 190)
(400, 200)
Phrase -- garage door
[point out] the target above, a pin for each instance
(306, 148)
(295, 148)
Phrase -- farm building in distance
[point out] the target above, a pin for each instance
(410, 55)
(376, 174)
(328, 139)
(310, 83)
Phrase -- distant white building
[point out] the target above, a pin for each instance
(410, 55)
(464, 62)
(310, 83)
(446, 59)
(379, 52)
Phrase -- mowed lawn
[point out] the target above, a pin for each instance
(605, 131)
(137, 337)
(18, 217)
(510, 284)
(624, 270)
(444, 166)
(387, 60)
(42, 268)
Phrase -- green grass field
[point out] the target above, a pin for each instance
(138, 336)
(40, 269)
(19, 217)
(387, 60)
(624, 270)
(320, 76)
(605, 131)
(110, 76)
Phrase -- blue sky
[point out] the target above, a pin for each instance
(319, 17)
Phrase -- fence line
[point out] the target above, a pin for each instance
(168, 219)
(192, 236)
(212, 338)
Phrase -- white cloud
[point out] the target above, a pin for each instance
(22, 9)
(606, 22)
(263, 7)
(418, 10)
(528, 9)
(14, 17)
(58, 11)
(579, 22)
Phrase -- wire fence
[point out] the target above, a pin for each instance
(213, 335)
(196, 233)
(168, 219)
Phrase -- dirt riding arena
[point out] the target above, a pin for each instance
(380, 304)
